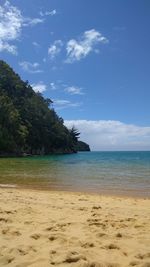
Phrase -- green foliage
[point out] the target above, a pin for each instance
(82, 146)
(28, 124)
(74, 135)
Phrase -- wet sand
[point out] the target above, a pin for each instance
(45, 228)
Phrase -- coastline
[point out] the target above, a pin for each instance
(56, 228)
(110, 192)
(116, 173)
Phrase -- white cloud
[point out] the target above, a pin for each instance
(53, 86)
(112, 135)
(11, 23)
(55, 49)
(9, 48)
(32, 21)
(10, 27)
(36, 44)
(30, 67)
(78, 49)
(48, 13)
(74, 90)
(62, 104)
(39, 87)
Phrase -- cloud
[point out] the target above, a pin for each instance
(74, 90)
(35, 44)
(10, 27)
(53, 86)
(32, 22)
(55, 49)
(11, 24)
(48, 13)
(39, 87)
(63, 104)
(30, 67)
(112, 135)
(9, 48)
(78, 49)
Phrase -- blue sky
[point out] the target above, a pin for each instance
(91, 58)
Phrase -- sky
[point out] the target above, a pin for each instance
(91, 58)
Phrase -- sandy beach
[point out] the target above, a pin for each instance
(44, 228)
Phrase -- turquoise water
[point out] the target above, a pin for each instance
(105, 172)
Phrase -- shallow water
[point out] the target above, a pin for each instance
(121, 173)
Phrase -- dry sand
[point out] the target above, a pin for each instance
(41, 228)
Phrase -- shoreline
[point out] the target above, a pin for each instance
(106, 193)
(59, 228)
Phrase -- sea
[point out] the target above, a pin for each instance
(112, 173)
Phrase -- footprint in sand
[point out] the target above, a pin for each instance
(96, 222)
(111, 246)
(83, 209)
(123, 225)
(28, 222)
(134, 263)
(143, 256)
(130, 219)
(59, 237)
(52, 238)
(22, 252)
(82, 199)
(4, 220)
(96, 207)
(52, 251)
(119, 235)
(62, 225)
(5, 231)
(35, 236)
(99, 235)
(138, 226)
(97, 264)
(6, 260)
(146, 264)
(10, 259)
(87, 245)
(10, 212)
(93, 220)
(58, 227)
(74, 256)
(95, 214)
(50, 228)
(91, 264)
(15, 233)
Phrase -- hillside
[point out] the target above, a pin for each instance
(82, 146)
(28, 123)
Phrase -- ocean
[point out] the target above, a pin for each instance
(113, 173)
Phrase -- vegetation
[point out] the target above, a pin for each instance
(82, 146)
(28, 123)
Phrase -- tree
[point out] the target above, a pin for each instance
(28, 123)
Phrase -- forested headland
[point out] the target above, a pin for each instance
(28, 123)
(82, 146)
